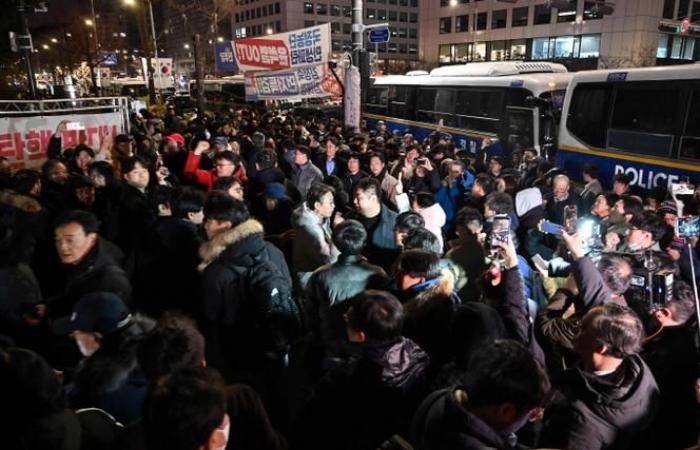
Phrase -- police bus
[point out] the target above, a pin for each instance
(516, 104)
(641, 122)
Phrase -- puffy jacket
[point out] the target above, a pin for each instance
(591, 412)
(313, 246)
(331, 286)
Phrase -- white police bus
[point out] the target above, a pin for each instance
(514, 103)
(641, 122)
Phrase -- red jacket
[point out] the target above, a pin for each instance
(207, 178)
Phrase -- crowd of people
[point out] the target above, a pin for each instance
(259, 280)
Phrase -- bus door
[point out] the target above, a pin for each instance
(522, 128)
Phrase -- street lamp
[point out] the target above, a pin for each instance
(220, 39)
(186, 46)
(89, 22)
(45, 46)
(54, 40)
(269, 31)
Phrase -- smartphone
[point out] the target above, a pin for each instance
(550, 228)
(421, 161)
(570, 218)
(688, 226)
(500, 230)
(75, 126)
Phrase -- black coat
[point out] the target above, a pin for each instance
(381, 247)
(555, 210)
(99, 271)
(443, 423)
(591, 412)
(224, 308)
(134, 217)
(365, 398)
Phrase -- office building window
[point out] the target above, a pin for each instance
(402, 33)
(481, 21)
(308, 8)
(590, 46)
(540, 48)
(683, 9)
(393, 15)
(347, 11)
(335, 27)
(461, 24)
(403, 49)
(445, 54)
(498, 51)
(403, 2)
(669, 6)
(590, 12)
(518, 49)
(308, 23)
(277, 8)
(567, 14)
(498, 19)
(335, 10)
(414, 3)
(321, 8)
(412, 49)
(662, 49)
(392, 47)
(543, 15)
(393, 2)
(479, 51)
(381, 14)
(370, 14)
(336, 45)
(403, 17)
(445, 25)
(563, 47)
(347, 28)
(237, 18)
(520, 16)
(413, 18)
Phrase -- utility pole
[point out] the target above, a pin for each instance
(26, 49)
(357, 32)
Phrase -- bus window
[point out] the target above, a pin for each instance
(444, 106)
(425, 105)
(588, 114)
(399, 103)
(377, 100)
(690, 141)
(644, 119)
(521, 128)
(479, 110)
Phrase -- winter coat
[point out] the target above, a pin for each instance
(331, 286)
(591, 412)
(207, 178)
(442, 422)
(99, 271)
(364, 398)
(19, 295)
(435, 218)
(313, 246)
(304, 177)
(341, 166)
(673, 359)
(224, 308)
(588, 195)
(134, 217)
(350, 180)
(555, 209)
(381, 247)
(110, 379)
(388, 185)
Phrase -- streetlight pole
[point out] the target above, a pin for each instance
(155, 40)
(357, 31)
(26, 49)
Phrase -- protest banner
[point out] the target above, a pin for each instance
(307, 46)
(304, 82)
(24, 140)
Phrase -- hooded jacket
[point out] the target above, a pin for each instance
(591, 412)
(313, 246)
(224, 308)
(443, 423)
(365, 398)
(111, 379)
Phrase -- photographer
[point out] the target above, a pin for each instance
(593, 285)
(673, 359)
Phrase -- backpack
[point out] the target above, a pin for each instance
(270, 309)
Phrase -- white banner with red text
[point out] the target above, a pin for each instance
(302, 82)
(24, 140)
(298, 48)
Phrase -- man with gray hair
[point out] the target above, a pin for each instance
(562, 196)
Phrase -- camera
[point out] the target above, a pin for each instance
(654, 286)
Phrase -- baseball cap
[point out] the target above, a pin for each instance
(176, 137)
(101, 312)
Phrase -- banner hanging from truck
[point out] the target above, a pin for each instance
(24, 140)
(298, 48)
(304, 82)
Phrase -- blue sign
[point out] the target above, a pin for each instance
(379, 36)
(108, 59)
(617, 76)
(223, 56)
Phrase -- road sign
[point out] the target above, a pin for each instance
(379, 36)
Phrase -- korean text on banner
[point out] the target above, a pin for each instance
(303, 82)
(298, 48)
(24, 140)
(352, 98)
(223, 57)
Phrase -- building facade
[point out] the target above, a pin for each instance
(582, 35)
(259, 17)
